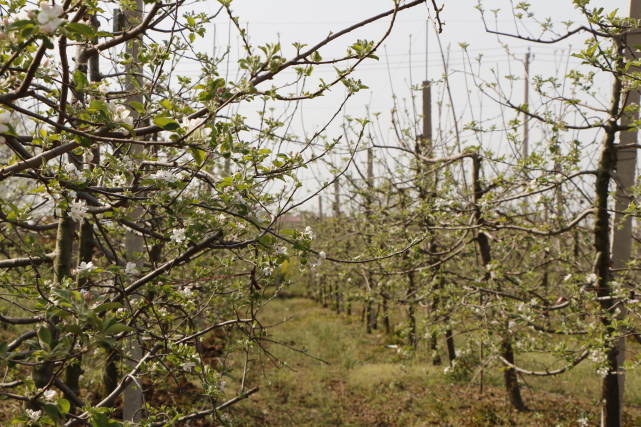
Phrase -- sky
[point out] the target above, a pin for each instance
(409, 55)
(309, 21)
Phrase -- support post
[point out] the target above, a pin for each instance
(526, 102)
(626, 161)
(133, 395)
(337, 197)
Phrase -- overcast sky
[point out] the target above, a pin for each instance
(309, 21)
(405, 52)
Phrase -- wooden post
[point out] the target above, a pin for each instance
(337, 198)
(427, 117)
(626, 160)
(372, 315)
(133, 397)
(86, 241)
(429, 185)
(526, 101)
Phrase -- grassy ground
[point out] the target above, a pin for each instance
(364, 383)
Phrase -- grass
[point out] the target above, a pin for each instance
(365, 383)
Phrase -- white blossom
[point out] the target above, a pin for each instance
(309, 233)
(567, 277)
(49, 17)
(71, 169)
(86, 266)
(282, 250)
(78, 210)
(119, 180)
(187, 292)
(33, 415)
(23, 15)
(188, 366)
(50, 395)
(162, 156)
(89, 156)
(48, 66)
(602, 371)
(102, 87)
(164, 175)
(131, 268)
(121, 114)
(592, 278)
(198, 132)
(178, 235)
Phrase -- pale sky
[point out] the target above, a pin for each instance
(403, 59)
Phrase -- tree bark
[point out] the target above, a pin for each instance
(411, 310)
(611, 406)
(509, 376)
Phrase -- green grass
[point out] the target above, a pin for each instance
(364, 383)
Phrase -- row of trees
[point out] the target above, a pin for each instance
(515, 241)
(138, 211)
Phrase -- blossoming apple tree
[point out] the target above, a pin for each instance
(138, 211)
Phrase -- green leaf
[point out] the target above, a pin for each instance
(167, 104)
(96, 105)
(64, 406)
(138, 106)
(80, 30)
(198, 155)
(107, 306)
(80, 79)
(45, 337)
(116, 328)
(166, 123)
(100, 418)
(52, 411)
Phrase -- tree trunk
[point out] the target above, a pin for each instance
(386, 321)
(369, 314)
(611, 409)
(449, 342)
(509, 376)
(411, 310)
(61, 269)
